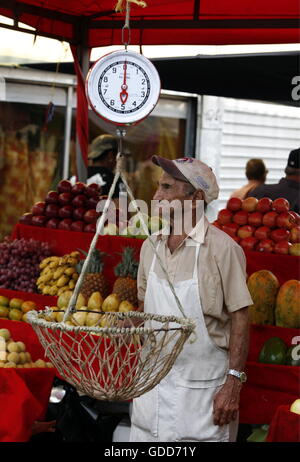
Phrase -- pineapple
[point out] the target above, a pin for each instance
(94, 280)
(125, 286)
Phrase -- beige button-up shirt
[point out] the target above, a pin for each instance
(221, 274)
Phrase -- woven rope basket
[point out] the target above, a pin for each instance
(113, 363)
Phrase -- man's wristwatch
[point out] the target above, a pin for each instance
(240, 375)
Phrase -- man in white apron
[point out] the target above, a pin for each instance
(198, 400)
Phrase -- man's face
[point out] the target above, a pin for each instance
(178, 203)
(172, 196)
(170, 189)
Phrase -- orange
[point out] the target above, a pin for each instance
(28, 306)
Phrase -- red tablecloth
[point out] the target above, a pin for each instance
(24, 393)
(268, 385)
(285, 426)
(284, 266)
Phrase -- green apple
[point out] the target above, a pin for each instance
(136, 221)
(295, 406)
(110, 229)
(3, 311)
(4, 301)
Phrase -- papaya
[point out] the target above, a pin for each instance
(287, 309)
(263, 286)
(290, 358)
(274, 351)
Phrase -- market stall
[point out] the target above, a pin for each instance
(268, 385)
(64, 241)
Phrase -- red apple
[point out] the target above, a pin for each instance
(269, 219)
(255, 218)
(92, 202)
(38, 208)
(295, 235)
(66, 211)
(90, 228)
(234, 204)
(296, 216)
(230, 228)
(26, 218)
(249, 204)
(78, 213)
(285, 220)
(263, 232)
(281, 205)
(65, 224)
(65, 198)
(78, 188)
(280, 234)
(64, 186)
(217, 224)
(266, 245)
(52, 210)
(93, 189)
(241, 217)
(52, 223)
(38, 220)
(295, 250)
(236, 239)
(245, 231)
(224, 216)
(52, 197)
(264, 205)
(282, 247)
(91, 216)
(77, 225)
(248, 243)
(79, 201)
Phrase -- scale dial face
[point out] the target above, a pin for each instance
(123, 87)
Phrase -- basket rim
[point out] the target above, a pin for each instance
(36, 319)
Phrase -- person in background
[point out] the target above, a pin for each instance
(256, 173)
(287, 187)
(102, 161)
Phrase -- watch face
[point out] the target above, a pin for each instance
(123, 87)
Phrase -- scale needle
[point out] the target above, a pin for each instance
(124, 94)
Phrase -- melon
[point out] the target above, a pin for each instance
(263, 286)
(274, 351)
(287, 310)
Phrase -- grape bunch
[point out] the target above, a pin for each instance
(19, 263)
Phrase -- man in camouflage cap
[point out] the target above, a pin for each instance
(102, 160)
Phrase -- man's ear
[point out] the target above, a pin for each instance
(198, 195)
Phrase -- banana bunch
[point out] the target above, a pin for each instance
(58, 274)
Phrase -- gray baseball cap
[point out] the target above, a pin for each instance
(193, 171)
(102, 144)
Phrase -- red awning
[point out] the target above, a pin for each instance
(192, 22)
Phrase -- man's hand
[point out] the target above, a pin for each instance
(226, 402)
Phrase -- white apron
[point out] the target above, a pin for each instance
(180, 407)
